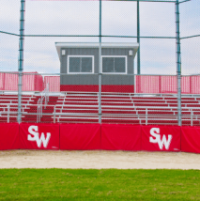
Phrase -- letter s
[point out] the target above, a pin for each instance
(155, 133)
(33, 130)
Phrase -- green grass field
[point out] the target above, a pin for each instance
(59, 184)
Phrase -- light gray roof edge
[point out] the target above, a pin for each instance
(85, 45)
(60, 45)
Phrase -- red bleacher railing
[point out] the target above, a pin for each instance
(153, 84)
(161, 84)
(32, 81)
(54, 83)
(146, 84)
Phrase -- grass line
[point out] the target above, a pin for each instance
(112, 184)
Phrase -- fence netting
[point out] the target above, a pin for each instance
(93, 61)
(190, 34)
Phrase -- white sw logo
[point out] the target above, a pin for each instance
(155, 132)
(34, 136)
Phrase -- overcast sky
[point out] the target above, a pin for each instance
(158, 56)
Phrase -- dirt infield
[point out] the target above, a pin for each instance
(98, 160)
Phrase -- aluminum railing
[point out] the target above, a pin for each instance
(5, 111)
(45, 98)
(39, 108)
(143, 114)
(113, 108)
(46, 95)
(146, 118)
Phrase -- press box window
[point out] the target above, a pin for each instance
(83, 64)
(114, 64)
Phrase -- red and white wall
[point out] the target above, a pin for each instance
(99, 137)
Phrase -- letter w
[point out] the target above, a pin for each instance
(43, 140)
(164, 142)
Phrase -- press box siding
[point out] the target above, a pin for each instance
(111, 82)
(91, 79)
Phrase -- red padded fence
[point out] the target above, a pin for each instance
(120, 137)
(80, 136)
(39, 136)
(9, 136)
(99, 137)
(190, 141)
(161, 138)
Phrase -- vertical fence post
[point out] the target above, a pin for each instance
(146, 115)
(54, 116)
(192, 113)
(100, 62)
(138, 36)
(8, 114)
(21, 58)
(178, 61)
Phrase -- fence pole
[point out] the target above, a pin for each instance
(8, 114)
(178, 61)
(21, 59)
(146, 116)
(192, 113)
(54, 116)
(100, 62)
(138, 36)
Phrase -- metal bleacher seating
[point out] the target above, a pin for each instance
(74, 107)
(9, 106)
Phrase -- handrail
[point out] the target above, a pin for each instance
(40, 101)
(189, 116)
(112, 106)
(46, 95)
(8, 112)
(108, 94)
(39, 109)
(145, 118)
(123, 94)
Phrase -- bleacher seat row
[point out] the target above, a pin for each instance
(116, 108)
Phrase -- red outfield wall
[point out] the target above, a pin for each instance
(99, 137)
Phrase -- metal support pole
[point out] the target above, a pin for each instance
(21, 59)
(8, 114)
(178, 61)
(146, 116)
(54, 116)
(100, 62)
(138, 36)
(192, 114)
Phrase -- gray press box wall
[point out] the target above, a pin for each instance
(111, 82)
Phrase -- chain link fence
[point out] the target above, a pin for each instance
(130, 61)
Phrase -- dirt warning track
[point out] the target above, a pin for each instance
(98, 160)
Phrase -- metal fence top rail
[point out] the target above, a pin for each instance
(164, 1)
(130, 74)
(108, 94)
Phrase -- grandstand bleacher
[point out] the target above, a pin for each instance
(77, 107)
